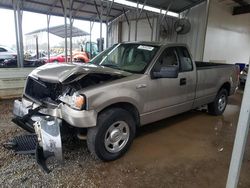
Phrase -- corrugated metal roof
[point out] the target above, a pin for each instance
(60, 31)
(177, 6)
(86, 9)
(82, 9)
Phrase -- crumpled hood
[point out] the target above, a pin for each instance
(66, 72)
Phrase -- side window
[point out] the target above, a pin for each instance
(3, 50)
(167, 58)
(185, 59)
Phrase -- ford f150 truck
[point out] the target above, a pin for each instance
(124, 87)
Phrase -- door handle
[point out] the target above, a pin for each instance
(183, 81)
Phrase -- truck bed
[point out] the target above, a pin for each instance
(209, 65)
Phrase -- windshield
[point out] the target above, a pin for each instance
(127, 57)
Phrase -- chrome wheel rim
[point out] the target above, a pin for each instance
(116, 136)
(222, 102)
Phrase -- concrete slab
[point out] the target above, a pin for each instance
(12, 81)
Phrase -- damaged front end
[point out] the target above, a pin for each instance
(44, 138)
(51, 99)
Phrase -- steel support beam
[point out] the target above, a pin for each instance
(240, 138)
(129, 28)
(138, 17)
(64, 6)
(48, 47)
(90, 40)
(20, 31)
(14, 2)
(71, 21)
(37, 48)
(158, 24)
(100, 43)
(109, 8)
(151, 25)
(17, 7)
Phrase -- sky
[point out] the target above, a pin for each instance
(34, 21)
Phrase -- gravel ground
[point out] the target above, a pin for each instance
(190, 150)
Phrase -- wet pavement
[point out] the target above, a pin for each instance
(189, 150)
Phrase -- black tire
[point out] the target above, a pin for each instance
(96, 136)
(215, 108)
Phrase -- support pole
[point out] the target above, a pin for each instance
(240, 138)
(138, 17)
(71, 2)
(64, 4)
(20, 32)
(150, 25)
(16, 31)
(152, 31)
(157, 35)
(100, 21)
(65, 44)
(107, 25)
(126, 17)
(37, 49)
(90, 47)
(100, 43)
(48, 47)
(136, 21)
(90, 35)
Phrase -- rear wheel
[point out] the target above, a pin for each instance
(113, 135)
(219, 105)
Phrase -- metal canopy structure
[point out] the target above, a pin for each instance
(81, 9)
(177, 6)
(60, 31)
(102, 11)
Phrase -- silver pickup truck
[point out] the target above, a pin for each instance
(124, 87)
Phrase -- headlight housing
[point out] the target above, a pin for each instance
(76, 101)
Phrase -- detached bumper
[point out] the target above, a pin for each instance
(24, 110)
(46, 123)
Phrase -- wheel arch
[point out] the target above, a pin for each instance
(226, 86)
(126, 106)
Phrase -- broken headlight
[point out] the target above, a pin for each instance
(76, 101)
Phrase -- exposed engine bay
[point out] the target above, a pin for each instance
(50, 93)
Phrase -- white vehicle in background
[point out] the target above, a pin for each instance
(7, 53)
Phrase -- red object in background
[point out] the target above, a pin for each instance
(55, 59)
(77, 57)
(81, 57)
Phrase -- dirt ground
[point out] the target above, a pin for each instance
(189, 150)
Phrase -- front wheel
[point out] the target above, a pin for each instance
(113, 135)
(219, 105)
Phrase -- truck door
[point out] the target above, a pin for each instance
(187, 72)
(170, 96)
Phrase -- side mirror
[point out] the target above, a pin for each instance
(166, 72)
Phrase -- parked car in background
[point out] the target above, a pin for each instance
(12, 63)
(243, 75)
(7, 53)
